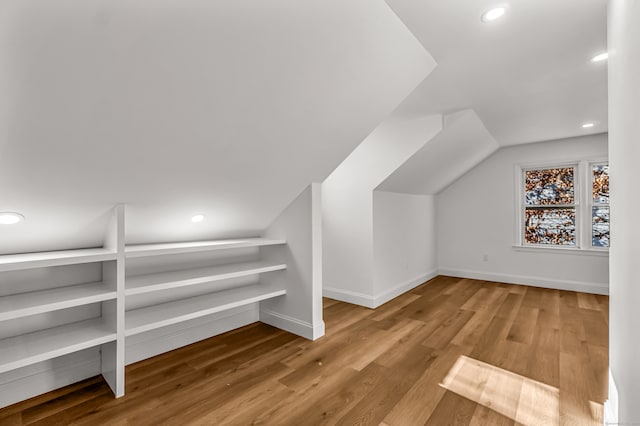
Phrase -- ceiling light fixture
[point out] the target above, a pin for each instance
(493, 14)
(197, 218)
(10, 218)
(588, 125)
(601, 57)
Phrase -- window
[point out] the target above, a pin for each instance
(550, 209)
(564, 205)
(600, 205)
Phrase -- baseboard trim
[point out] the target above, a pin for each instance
(611, 404)
(347, 296)
(594, 288)
(292, 325)
(374, 301)
(404, 287)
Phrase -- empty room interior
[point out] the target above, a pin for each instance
(372, 212)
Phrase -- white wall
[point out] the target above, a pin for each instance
(476, 216)
(624, 153)
(300, 310)
(347, 204)
(404, 242)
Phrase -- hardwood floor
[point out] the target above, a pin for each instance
(451, 352)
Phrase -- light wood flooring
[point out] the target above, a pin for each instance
(450, 352)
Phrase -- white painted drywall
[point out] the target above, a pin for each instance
(347, 200)
(525, 89)
(300, 224)
(404, 242)
(624, 154)
(462, 143)
(225, 108)
(476, 216)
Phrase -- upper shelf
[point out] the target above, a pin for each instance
(15, 262)
(166, 280)
(143, 250)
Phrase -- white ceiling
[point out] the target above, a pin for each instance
(230, 108)
(528, 76)
(226, 108)
(461, 145)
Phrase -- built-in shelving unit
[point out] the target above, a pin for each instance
(27, 349)
(162, 315)
(38, 302)
(136, 301)
(183, 309)
(59, 303)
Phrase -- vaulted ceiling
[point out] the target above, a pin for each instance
(226, 108)
(230, 108)
(528, 75)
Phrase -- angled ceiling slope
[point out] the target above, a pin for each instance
(462, 144)
(226, 108)
(528, 76)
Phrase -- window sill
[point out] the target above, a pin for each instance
(563, 250)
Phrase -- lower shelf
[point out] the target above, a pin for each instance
(157, 316)
(27, 349)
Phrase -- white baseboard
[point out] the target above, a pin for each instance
(373, 301)
(611, 404)
(46, 376)
(595, 288)
(147, 345)
(352, 297)
(404, 287)
(293, 325)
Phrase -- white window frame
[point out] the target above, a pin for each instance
(582, 191)
(593, 204)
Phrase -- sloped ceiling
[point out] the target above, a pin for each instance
(461, 145)
(226, 108)
(528, 76)
(524, 78)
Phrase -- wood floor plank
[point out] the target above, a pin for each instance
(418, 403)
(484, 416)
(588, 301)
(332, 407)
(452, 410)
(575, 406)
(451, 351)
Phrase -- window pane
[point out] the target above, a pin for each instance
(600, 183)
(549, 186)
(600, 226)
(555, 226)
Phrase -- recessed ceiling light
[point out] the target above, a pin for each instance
(197, 218)
(588, 125)
(601, 57)
(493, 14)
(10, 218)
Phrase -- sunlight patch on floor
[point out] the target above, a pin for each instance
(524, 400)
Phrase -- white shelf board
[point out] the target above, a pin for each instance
(27, 349)
(37, 302)
(166, 280)
(162, 315)
(15, 262)
(143, 250)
